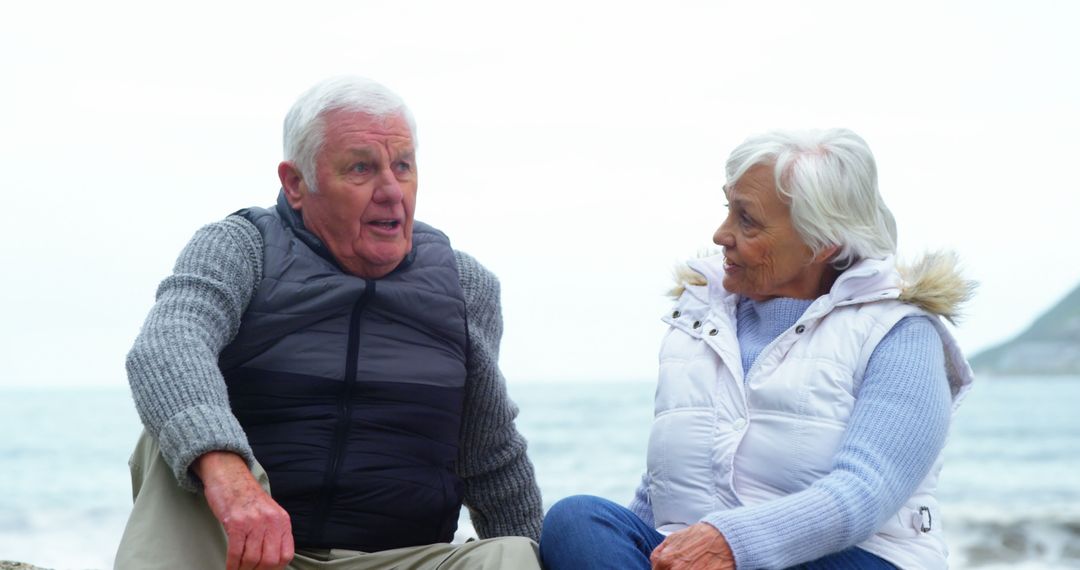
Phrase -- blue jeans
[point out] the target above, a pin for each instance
(585, 532)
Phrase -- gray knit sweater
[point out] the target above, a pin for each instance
(181, 397)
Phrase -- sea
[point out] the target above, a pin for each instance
(1010, 489)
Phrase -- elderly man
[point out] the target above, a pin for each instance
(319, 381)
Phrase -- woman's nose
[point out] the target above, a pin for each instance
(722, 237)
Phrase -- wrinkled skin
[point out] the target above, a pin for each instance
(365, 192)
(764, 256)
(697, 547)
(258, 529)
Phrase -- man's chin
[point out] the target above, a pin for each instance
(375, 262)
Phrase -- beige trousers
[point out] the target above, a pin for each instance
(173, 529)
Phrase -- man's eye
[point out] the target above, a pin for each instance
(403, 166)
(360, 168)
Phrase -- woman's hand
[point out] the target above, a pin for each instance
(699, 547)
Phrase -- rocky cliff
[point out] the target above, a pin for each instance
(1051, 345)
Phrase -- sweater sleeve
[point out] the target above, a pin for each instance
(500, 486)
(172, 368)
(896, 431)
(641, 504)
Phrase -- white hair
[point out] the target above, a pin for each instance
(830, 180)
(305, 126)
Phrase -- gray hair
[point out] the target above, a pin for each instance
(830, 180)
(305, 127)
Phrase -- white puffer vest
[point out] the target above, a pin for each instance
(719, 443)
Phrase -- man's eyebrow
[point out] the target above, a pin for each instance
(363, 152)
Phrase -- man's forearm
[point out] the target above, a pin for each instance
(172, 368)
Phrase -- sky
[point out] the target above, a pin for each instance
(575, 148)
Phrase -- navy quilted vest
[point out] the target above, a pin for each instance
(350, 390)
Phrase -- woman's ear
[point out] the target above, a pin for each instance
(827, 254)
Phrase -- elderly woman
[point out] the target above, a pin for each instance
(806, 386)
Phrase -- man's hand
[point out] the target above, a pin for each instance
(258, 529)
(698, 547)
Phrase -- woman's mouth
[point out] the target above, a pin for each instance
(730, 267)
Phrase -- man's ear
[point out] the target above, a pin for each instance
(292, 182)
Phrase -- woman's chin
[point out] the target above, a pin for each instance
(732, 283)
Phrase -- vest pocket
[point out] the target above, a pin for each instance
(681, 466)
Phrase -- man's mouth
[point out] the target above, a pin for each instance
(386, 224)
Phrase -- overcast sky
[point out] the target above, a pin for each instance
(575, 148)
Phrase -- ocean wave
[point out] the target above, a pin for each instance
(995, 538)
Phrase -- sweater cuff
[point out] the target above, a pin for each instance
(743, 539)
(198, 430)
(781, 532)
(516, 511)
(761, 536)
(641, 505)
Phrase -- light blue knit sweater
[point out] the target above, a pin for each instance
(896, 431)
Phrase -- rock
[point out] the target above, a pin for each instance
(9, 565)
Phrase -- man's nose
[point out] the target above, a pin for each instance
(387, 188)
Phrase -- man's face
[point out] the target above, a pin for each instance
(366, 181)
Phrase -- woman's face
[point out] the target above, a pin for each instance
(764, 257)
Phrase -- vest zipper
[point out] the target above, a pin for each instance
(341, 431)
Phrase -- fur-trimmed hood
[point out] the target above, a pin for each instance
(933, 283)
